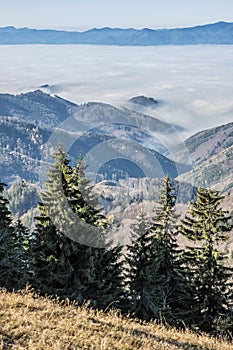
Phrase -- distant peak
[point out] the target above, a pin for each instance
(144, 101)
(221, 23)
(9, 28)
(36, 92)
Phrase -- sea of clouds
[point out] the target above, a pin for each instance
(193, 83)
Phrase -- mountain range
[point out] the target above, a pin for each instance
(119, 146)
(215, 33)
(29, 121)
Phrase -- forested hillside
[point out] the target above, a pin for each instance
(131, 229)
(71, 252)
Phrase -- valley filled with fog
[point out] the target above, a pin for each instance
(193, 83)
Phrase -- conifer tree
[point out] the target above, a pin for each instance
(156, 278)
(71, 204)
(169, 280)
(97, 270)
(206, 225)
(85, 207)
(76, 226)
(138, 271)
(11, 248)
(106, 289)
(22, 250)
(49, 266)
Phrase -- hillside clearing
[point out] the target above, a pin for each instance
(29, 322)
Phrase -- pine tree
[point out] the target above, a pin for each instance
(106, 289)
(50, 269)
(85, 207)
(207, 226)
(169, 280)
(156, 277)
(138, 271)
(11, 248)
(75, 228)
(22, 250)
(98, 271)
(70, 202)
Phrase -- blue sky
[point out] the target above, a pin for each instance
(84, 14)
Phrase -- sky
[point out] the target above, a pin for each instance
(85, 14)
(194, 83)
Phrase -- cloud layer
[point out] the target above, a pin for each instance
(194, 82)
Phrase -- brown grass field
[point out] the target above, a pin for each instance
(31, 322)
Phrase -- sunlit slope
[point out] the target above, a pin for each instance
(38, 323)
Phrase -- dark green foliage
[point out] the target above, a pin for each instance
(70, 203)
(22, 251)
(207, 226)
(138, 272)
(108, 284)
(97, 275)
(50, 268)
(169, 285)
(154, 268)
(12, 248)
(70, 261)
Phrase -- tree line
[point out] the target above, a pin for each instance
(152, 279)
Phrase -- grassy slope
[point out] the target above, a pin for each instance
(33, 323)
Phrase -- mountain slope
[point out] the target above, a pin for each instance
(29, 322)
(205, 144)
(28, 120)
(216, 33)
(21, 144)
(36, 106)
(211, 153)
(216, 171)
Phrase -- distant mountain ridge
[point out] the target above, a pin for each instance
(120, 148)
(29, 119)
(215, 33)
(211, 153)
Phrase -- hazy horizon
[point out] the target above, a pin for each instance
(86, 28)
(122, 13)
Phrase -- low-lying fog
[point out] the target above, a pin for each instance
(194, 83)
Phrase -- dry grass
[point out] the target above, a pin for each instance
(29, 322)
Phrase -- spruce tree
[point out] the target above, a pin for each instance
(71, 204)
(169, 280)
(58, 227)
(97, 271)
(22, 250)
(76, 226)
(12, 263)
(154, 266)
(50, 269)
(139, 261)
(206, 225)
(106, 289)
